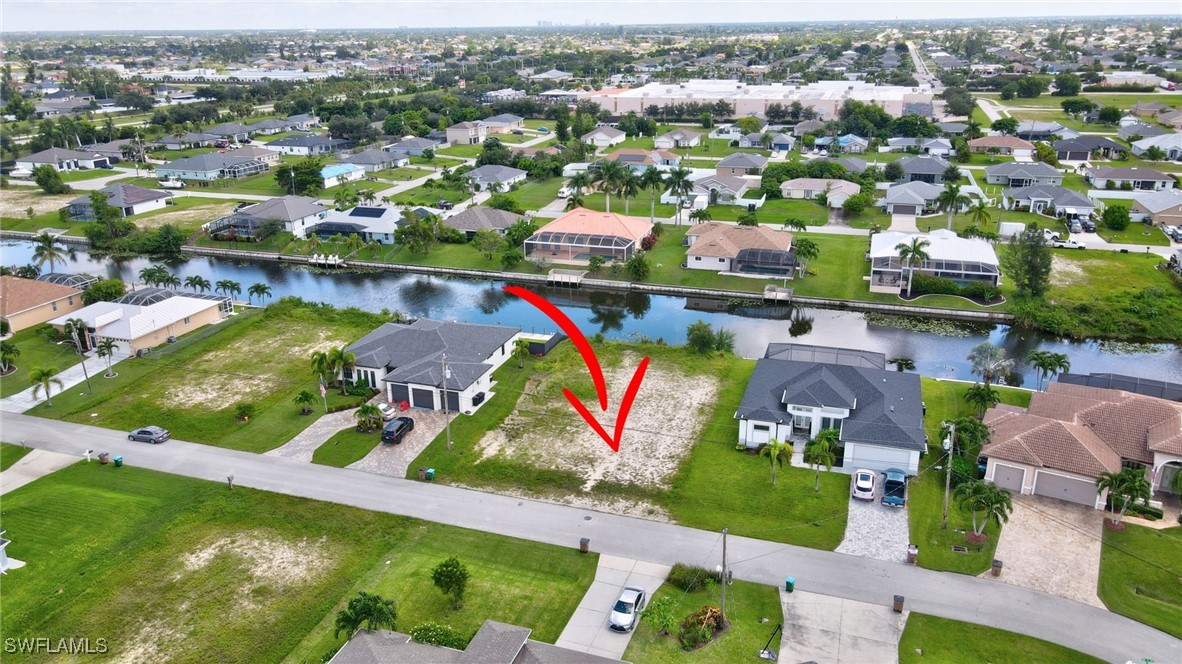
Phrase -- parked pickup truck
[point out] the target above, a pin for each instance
(894, 488)
(1066, 244)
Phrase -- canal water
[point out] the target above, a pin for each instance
(937, 347)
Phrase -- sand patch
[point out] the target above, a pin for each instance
(153, 642)
(1066, 272)
(268, 560)
(15, 200)
(217, 391)
(200, 214)
(665, 420)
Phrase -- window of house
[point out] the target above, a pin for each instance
(53, 305)
(721, 260)
(70, 300)
(186, 320)
(697, 258)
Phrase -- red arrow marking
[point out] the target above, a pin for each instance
(576, 336)
(592, 362)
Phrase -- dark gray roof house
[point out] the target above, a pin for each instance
(852, 164)
(1021, 174)
(923, 167)
(479, 217)
(126, 197)
(374, 158)
(494, 643)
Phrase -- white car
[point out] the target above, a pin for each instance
(565, 191)
(626, 610)
(389, 411)
(1066, 244)
(864, 485)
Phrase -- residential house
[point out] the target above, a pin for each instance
(1148, 109)
(406, 361)
(481, 218)
(849, 144)
(148, 317)
(836, 191)
(952, 128)
(503, 123)
(1023, 174)
(940, 147)
(129, 199)
(1005, 145)
(581, 233)
(491, 174)
(1160, 208)
(269, 127)
(467, 133)
(269, 157)
(604, 137)
(412, 146)
(25, 303)
(950, 256)
(851, 164)
(1171, 118)
(1169, 144)
(192, 139)
(911, 198)
(1128, 177)
(555, 75)
(308, 146)
(1043, 199)
(782, 142)
(494, 642)
(296, 213)
(752, 140)
(303, 121)
(231, 131)
(211, 166)
(726, 132)
(1037, 130)
(923, 168)
(63, 160)
(741, 163)
(720, 247)
(1083, 147)
(639, 160)
(1135, 131)
(376, 160)
(334, 174)
(878, 413)
(678, 138)
(1070, 435)
(112, 150)
(714, 190)
(372, 224)
(807, 126)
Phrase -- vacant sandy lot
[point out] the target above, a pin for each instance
(14, 201)
(199, 214)
(668, 415)
(1066, 272)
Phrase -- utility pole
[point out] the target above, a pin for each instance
(948, 445)
(722, 581)
(443, 395)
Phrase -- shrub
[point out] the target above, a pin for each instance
(244, 410)
(4, 328)
(595, 263)
(638, 267)
(980, 290)
(1140, 509)
(648, 242)
(539, 263)
(690, 578)
(928, 285)
(700, 627)
(438, 635)
(1116, 217)
(962, 471)
(511, 258)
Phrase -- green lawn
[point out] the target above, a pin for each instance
(438, 161)
(944, 640)
(191, 387)
(775, 211)
(177, 569)
(35, 351)
(10, 454)
(637, 207)
(345, 447)
(1134, 233)
(925, 502)
(747, 604)
(430, 196)
(706, 147)
(1140, 570)
(538, 124)
(402, 173)
(92, 174)
(537, 194)
(1120, 100)
(46, 220)
(470, 151)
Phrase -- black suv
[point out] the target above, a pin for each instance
(397, 429)
(445, 205)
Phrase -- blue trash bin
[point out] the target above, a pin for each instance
(119, 461)
(790, 584)
(430, 474)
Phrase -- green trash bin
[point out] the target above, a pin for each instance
(790, 584)
(119, 461)
(430, 474)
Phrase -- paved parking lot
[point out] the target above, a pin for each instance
(874, 530)
(587, 629)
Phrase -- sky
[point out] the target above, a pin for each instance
(161, 15)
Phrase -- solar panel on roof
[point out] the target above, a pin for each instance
(369, 212)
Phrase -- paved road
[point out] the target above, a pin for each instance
(1085, 628)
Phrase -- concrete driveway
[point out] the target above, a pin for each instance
(1052, 546)
(874, 530)
(587, 629)
(831, 630)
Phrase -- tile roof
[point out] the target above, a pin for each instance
(717, 239)
(828, 185)
(17, 294)
(590, 222)
(1011, 142)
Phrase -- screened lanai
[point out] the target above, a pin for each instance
(578, 246)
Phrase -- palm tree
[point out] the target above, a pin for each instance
(260, 289)
(972, 130)
(372, 611)
(368, 417)
(1038, 359)
(903, 364)
(911, 254)
(985, 499)
(233, 288)
(354, 243)
(341, 361)
(198, 283)
(77, 329)
(304, 400)
(575, 200)
(1056, 363)
(321, 366)
(778, 454)
(150, 274)
(700, 216)
(654, 181)
(367, 196)
(169, 280)
(106, 348)
(820, 452)
(609, 175)
(805, 250)
(580, 181)
(520, 352)
(344, 198)
(982, 398)
(46, 250)
(1126, 487)
(950, 200)
(8, 352)
(679, 184)
(315, 244)
(795, 224)
(43, 378)
(980, 214)
(989, 361)
(629, 188)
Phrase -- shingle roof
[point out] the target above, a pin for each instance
(54, 155)
(385, 647)
(495, 643)
(480, 217)
(212, 161)
(504, 118)
(286, 208)
(414, 143)
(17, 294)
(371, 157)
(412, 353)
(307, 141)
(743, 160)
(925, 164)
(610, 132)
(912, 193)
(727, 240)
(1059, 196)
(724, 182)
(124, 195)
(1156, 201)
(494, 173)
(1129, 173)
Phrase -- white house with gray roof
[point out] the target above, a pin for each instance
(923, 168)
(1044, 199)
(677, 138)
(914, 198)
(504, 123)
(481, 218)
(1170, 144)
(413, 146)
(1015, 174)
(296, 213)
(128, 199)
(504, 176)
(407, 362)
(211, 166)
(741, 163)
(796, 391)
(307, 145)
(63, 160)
(376, 160)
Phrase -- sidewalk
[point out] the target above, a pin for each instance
(34, 465)
(97, 366)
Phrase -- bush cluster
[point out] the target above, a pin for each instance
(924, 284)
(690, 578)
(439, 635)
(700, 627)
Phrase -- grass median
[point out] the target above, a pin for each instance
(931, 639)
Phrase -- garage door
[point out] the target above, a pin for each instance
(902, 209)
(399, 393)
(1065, 488)
(1008, 477)
(422, 398)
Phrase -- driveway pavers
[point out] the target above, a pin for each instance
(393, 460)
(874, 530)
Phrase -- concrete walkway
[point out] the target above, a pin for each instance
(1108, 636)
(587, 629)
(304, 444)
(71, 377)
(34, 465)
(839, 631)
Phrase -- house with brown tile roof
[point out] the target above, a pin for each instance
(1069, 435)
(720, 247)
(28, 302)
(1008, 145)
(581, 233)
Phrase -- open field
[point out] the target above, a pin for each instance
(943, 640)
(192, 572)
(1122, 100)
(35, 351)
(187, 213)
(1140, 570)
(1104, 293)
(192, 387)
(16, 200)
(747, 603)
(535, 195)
